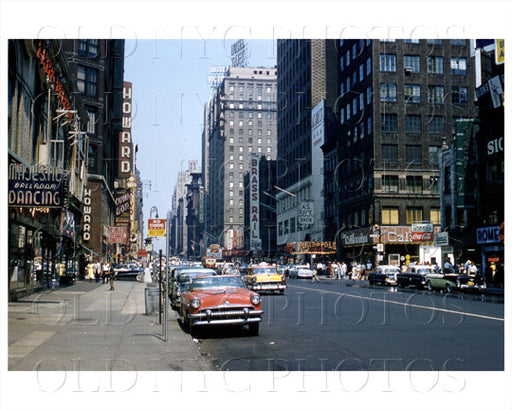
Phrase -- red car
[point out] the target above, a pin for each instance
(220, 300)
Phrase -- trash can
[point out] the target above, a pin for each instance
(152, 297)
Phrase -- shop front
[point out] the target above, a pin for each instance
(391, 245)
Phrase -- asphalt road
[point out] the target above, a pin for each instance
(343, 326)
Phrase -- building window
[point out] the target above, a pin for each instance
(369, 126)
(88, 48)
(388, 123)
(414, 184)
(458, 66)
(459, 95)
(435, 216)
(434, 41)
(413, 154)
(434, 156)
(388, 62)
(458, 42)
(412, 93)
(435, 65)
(412, 63)
(369, 95)
(389, 216)
(91, 121)
(388, 92)
(389, 153)
(361, 72)
(436, 94)
(436, 124)
(368, 66)
(389, 183)
(412, 41)
(413, 124)
(413, 215)
(87, 81)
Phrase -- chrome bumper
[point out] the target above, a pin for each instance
(238, 317)
(267, 286)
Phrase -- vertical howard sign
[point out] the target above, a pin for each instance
(125, 139)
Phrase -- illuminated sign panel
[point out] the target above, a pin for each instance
(254, 203)
(40, 186)
(125, 137)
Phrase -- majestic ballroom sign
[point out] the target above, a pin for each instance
(36, 186)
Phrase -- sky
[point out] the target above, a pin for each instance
(169, 90)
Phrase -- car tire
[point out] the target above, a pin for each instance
(400, 285)
(448, 288)
(429, 285)
(370, 282)
(254, 329)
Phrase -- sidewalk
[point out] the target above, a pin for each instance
(87, 327)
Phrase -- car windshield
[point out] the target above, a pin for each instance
(217, 282)
(423, 271)
(257, 271)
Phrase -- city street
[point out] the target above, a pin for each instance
(329, 326)
(340, 325)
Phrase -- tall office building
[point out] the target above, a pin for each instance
(240, 120)
(399, 102)
(307, 86)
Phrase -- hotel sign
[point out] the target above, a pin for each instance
(38, 186)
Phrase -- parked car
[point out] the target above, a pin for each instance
(183, 278)
(416, 276)
(265, 278)
(301, 273)
(128, 271)
(449, 281)
(384, 275)
(220, 300)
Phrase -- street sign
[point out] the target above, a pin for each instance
(441, 239)
(156, 227)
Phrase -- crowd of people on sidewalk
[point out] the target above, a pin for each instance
(340, 270)
(103, 272)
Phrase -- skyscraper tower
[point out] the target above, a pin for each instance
(240, 120)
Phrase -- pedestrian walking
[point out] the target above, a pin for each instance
(343, 269)
(105, 272)
(97, 271)
(315, 276)
(111, 277)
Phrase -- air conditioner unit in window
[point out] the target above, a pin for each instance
(408, 70)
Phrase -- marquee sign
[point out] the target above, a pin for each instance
(39, 186)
